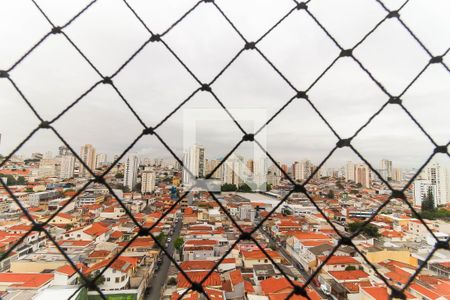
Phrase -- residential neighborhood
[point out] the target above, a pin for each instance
(196, 236)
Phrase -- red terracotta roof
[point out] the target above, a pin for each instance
(116, 234)
(418, 288)
(96, 229)
(275, 285)
(197, 265)
(120, 264)
(310, 236)
(73, 243)
(378, 293)
(313, 295)
(26, 280)
(248, 287)
(99, 254)
(201, 242)
(349, 275)
(236, 277)
(213, 279)
(19, 172)
(258, 254)
(69, 270)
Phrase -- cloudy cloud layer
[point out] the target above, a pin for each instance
(154, 83)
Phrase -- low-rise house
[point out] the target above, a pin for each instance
(252, 257)
(29, 281)
(117, 276)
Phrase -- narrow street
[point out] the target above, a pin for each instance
(295, 263)
(160, 276)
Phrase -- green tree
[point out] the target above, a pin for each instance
(350, 268)
(172, 281)
(21, 180)
(245, 188)
(10, 180)
(330, 194)
(369, 229)
(92, 276)
(440, 214)
(428, 202)
(273, 246)
(359, 185)
(286, 212)
(178, 244)
(137, 187)
(126, 189)
(268, 186)
(228, 187)
(161, 238)
(119, 175)
(339, 185)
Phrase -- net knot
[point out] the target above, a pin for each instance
(44, 125)
(398, 194)
(148, 130)
(440, 149)
(346, 53)
(343, 143)
(107, 80)
(245, 236)
(56, 30)
(302, 94)
(395, 100)
(155, 38)
(249, 137)
(250, 45)
(302, 5)
(205, 87)
(4, 74)
(393, 14)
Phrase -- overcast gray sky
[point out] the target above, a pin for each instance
(155, 82)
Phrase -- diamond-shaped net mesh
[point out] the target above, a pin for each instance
(7, 74)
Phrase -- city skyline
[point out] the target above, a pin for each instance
(257, 149)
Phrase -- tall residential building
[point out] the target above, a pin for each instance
(234, 170)
(131, 171)
(251, 165)
(301, 170)
(48, 155)
(147, 182)
(386, 169)
(349, 171)
(101, 160)
(194, 161)
(362, 175)
(397, 174)
(88, 156)
(67, 165)
(285, 168)
(438, 175)
(211, 165)
(421, 189)
(273, 175)
(48, 167)
(64, 150)
(37, 156)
